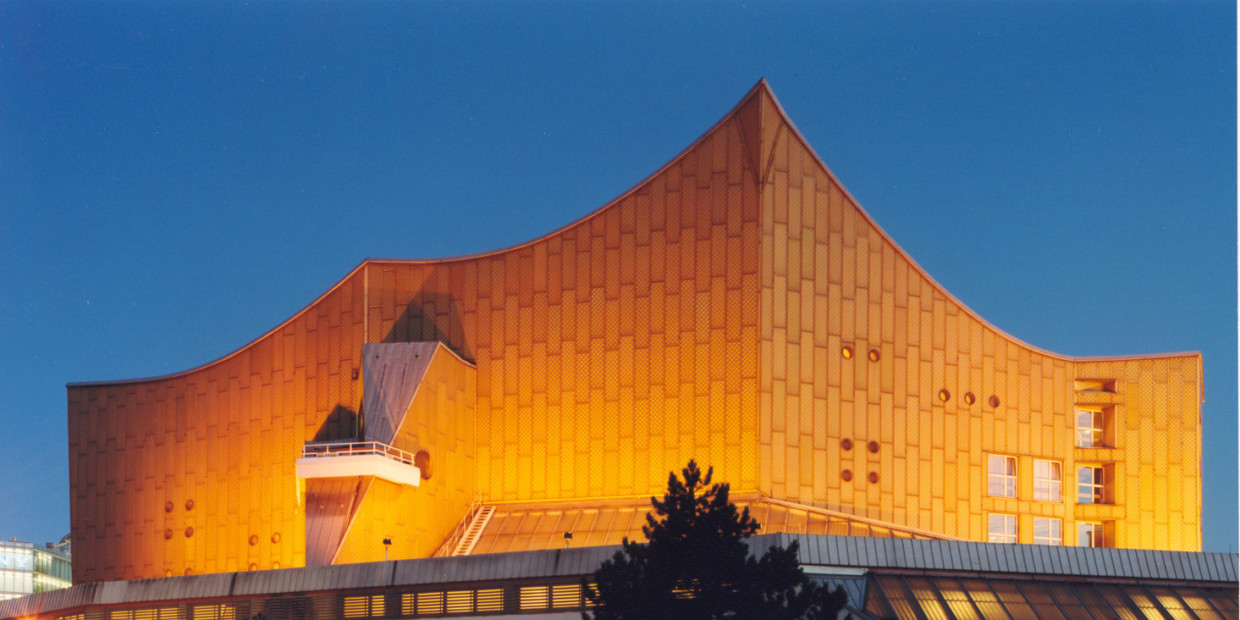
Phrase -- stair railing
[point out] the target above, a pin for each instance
(450, 543)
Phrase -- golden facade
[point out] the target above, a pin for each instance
(737, 307)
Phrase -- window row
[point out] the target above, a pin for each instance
(1046, 531)
(1047, 480)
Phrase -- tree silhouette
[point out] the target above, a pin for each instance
(697, 565)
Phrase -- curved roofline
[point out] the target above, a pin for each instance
(939, 287)
(234, 352)
(761, 87)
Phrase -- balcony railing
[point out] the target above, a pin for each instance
(339, 459)
(320, 449)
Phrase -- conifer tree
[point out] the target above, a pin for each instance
(697, 565)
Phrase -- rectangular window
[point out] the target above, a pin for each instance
(1002, 528)
(1089, 484)
(1047, 480)
(535, 597)
(1089, 535)
(1001, 476)
(1047, 531)
(1090, 428)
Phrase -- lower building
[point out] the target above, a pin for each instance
(884, 578)
(26, 568)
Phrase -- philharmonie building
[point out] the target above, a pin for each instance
(471, 436)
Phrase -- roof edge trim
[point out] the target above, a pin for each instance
(234, 352)
(761, 86)
(779, 109)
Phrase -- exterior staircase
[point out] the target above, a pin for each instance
(479, 523)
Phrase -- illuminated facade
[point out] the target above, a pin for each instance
(737, 307)
(26, 568)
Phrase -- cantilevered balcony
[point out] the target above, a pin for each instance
(343, 459)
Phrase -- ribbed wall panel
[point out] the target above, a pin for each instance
(831, 279)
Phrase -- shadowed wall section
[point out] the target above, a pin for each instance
(703, 314)
(439, 420)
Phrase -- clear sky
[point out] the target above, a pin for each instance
(178, 178)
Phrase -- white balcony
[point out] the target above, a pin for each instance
(334, 459)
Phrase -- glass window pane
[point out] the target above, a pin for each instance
(901, 601)
(1089, 534)
(1041, 602)
(876, 600)
(984, 599)
(1071, 605)
(1002, 528)
(1223, 600)
(1001, 475)
(1015, 602)
(926, 596)
(1120, 606)
(957, 600)
(1047, 531)
(1198, 603)
(1144, 602)
(1171, 603)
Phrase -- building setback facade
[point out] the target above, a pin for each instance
(737, 307)
(27, 568)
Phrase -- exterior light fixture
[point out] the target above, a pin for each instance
(387, 544)
(568, 538)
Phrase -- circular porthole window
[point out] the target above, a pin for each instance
(846, 475)
(873, 477)
(873, 446)
(944, 395)
(994, 401)
(847, 352)
(189, 531)
(168, 534)
(189, 504)
(846, 444)
(969, 398)
(275, 538)
(168, 506)
(253, 539)
(873, 355)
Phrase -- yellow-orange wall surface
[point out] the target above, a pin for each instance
(703, 314)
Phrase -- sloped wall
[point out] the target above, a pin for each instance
(224, 437)
(832, 280)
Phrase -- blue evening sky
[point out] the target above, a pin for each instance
(178, 178)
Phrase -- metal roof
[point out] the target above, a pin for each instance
(955, 555)
(822, 550)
